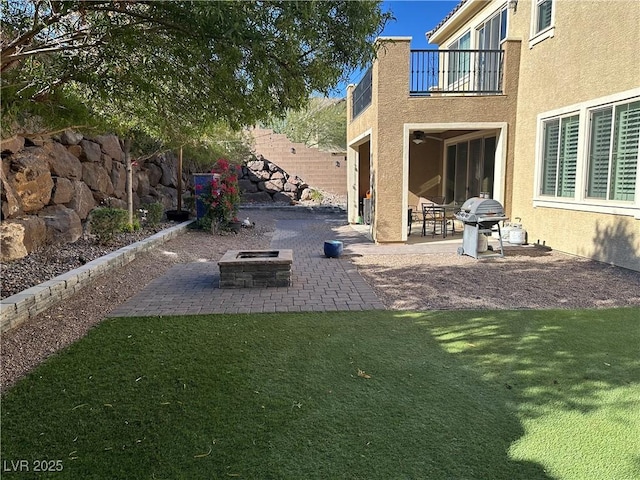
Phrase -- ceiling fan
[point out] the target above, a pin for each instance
(419, 137)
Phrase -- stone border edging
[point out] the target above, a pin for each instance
(27, 304)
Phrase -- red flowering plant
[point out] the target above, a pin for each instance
(221, 197)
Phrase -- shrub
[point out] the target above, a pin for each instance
(155, 212)
(105, 222)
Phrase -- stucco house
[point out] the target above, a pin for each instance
(535, 101)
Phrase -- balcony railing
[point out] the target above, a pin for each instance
(437, 72)
(362, 95)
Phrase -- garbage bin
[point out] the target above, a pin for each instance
(201, 185)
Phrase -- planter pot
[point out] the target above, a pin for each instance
(177, 216)
(333, 248)
(235, 226)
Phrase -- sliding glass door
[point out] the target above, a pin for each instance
(470, 169)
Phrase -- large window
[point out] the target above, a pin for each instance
(560, 156)
(588, 156)
(460, 62)
(613, 152)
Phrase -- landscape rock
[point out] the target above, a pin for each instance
(259, 197)
(119, 179)
(97, 178)
(12, 145)
(110, 145)
(282, 197)
(71, 137)
(91, 151)
(62, 162)
(169, 172)
(12, 241)
(63, 190)
(155, 174)
(11, 205)
(35, 231)
(75, 150)
(247, 186)
(143, 183)
(62, 223)
(82, 202)
(31, 179)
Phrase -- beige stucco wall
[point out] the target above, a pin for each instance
(593, 53)
(392, 109)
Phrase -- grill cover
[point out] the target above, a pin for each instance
(478, 209)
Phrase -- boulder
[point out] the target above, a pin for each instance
(82, 202)
(277, 175)
(63, 224)
(110, 145)
(75, 150)
(271, 186)
(247, 186)
(11, 205)
(31, 179)
(107, 162)
(155, 174)
(168, 196)
(97, 178)
(63, 163)
(35, 232)
(259, 197)
(62, 191)
(282, 197)
(256, 165)
(71, 137)
(143, 183)
(272, 167)
(12, 145)
(290, 187)
(12, 241)
(119, 179)
(169, 172)
(90, 151)
(104, 200)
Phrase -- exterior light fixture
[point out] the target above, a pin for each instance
(512, 5)
(418, 137)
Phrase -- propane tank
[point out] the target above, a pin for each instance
(517, 234)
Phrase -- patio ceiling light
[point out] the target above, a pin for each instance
(418, 137)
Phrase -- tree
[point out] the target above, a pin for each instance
(172, 66)
(322, 124)
(171, 69)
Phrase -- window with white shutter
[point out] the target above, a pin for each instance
(560, 156)
(613, 152)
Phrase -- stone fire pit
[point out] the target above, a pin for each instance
(256, 268)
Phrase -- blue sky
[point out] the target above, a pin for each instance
(413, 19)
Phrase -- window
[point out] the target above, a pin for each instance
(588, 156)
(560, 156)
(613, 152)
(543, 15)
(542, 27)
(490, 35)
(460, 63)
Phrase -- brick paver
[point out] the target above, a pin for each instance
(318, 283)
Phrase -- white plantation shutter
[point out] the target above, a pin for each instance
(624, 160)
(544, 14)
(599, 153)
(550, 157)
(568, 157)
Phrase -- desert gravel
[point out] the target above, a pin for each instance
(527, 278)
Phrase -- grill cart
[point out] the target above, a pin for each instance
(479, 215)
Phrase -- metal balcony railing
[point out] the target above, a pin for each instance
(436, 72)
(361, 95)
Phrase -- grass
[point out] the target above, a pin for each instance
(367, 395)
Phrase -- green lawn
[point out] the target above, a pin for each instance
(368, 395)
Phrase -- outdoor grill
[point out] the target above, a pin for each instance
(479, 215)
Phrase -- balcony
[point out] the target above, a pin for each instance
(362, 95)
(456, 72)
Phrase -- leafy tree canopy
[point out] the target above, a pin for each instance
(321, 123)
(174, 68)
